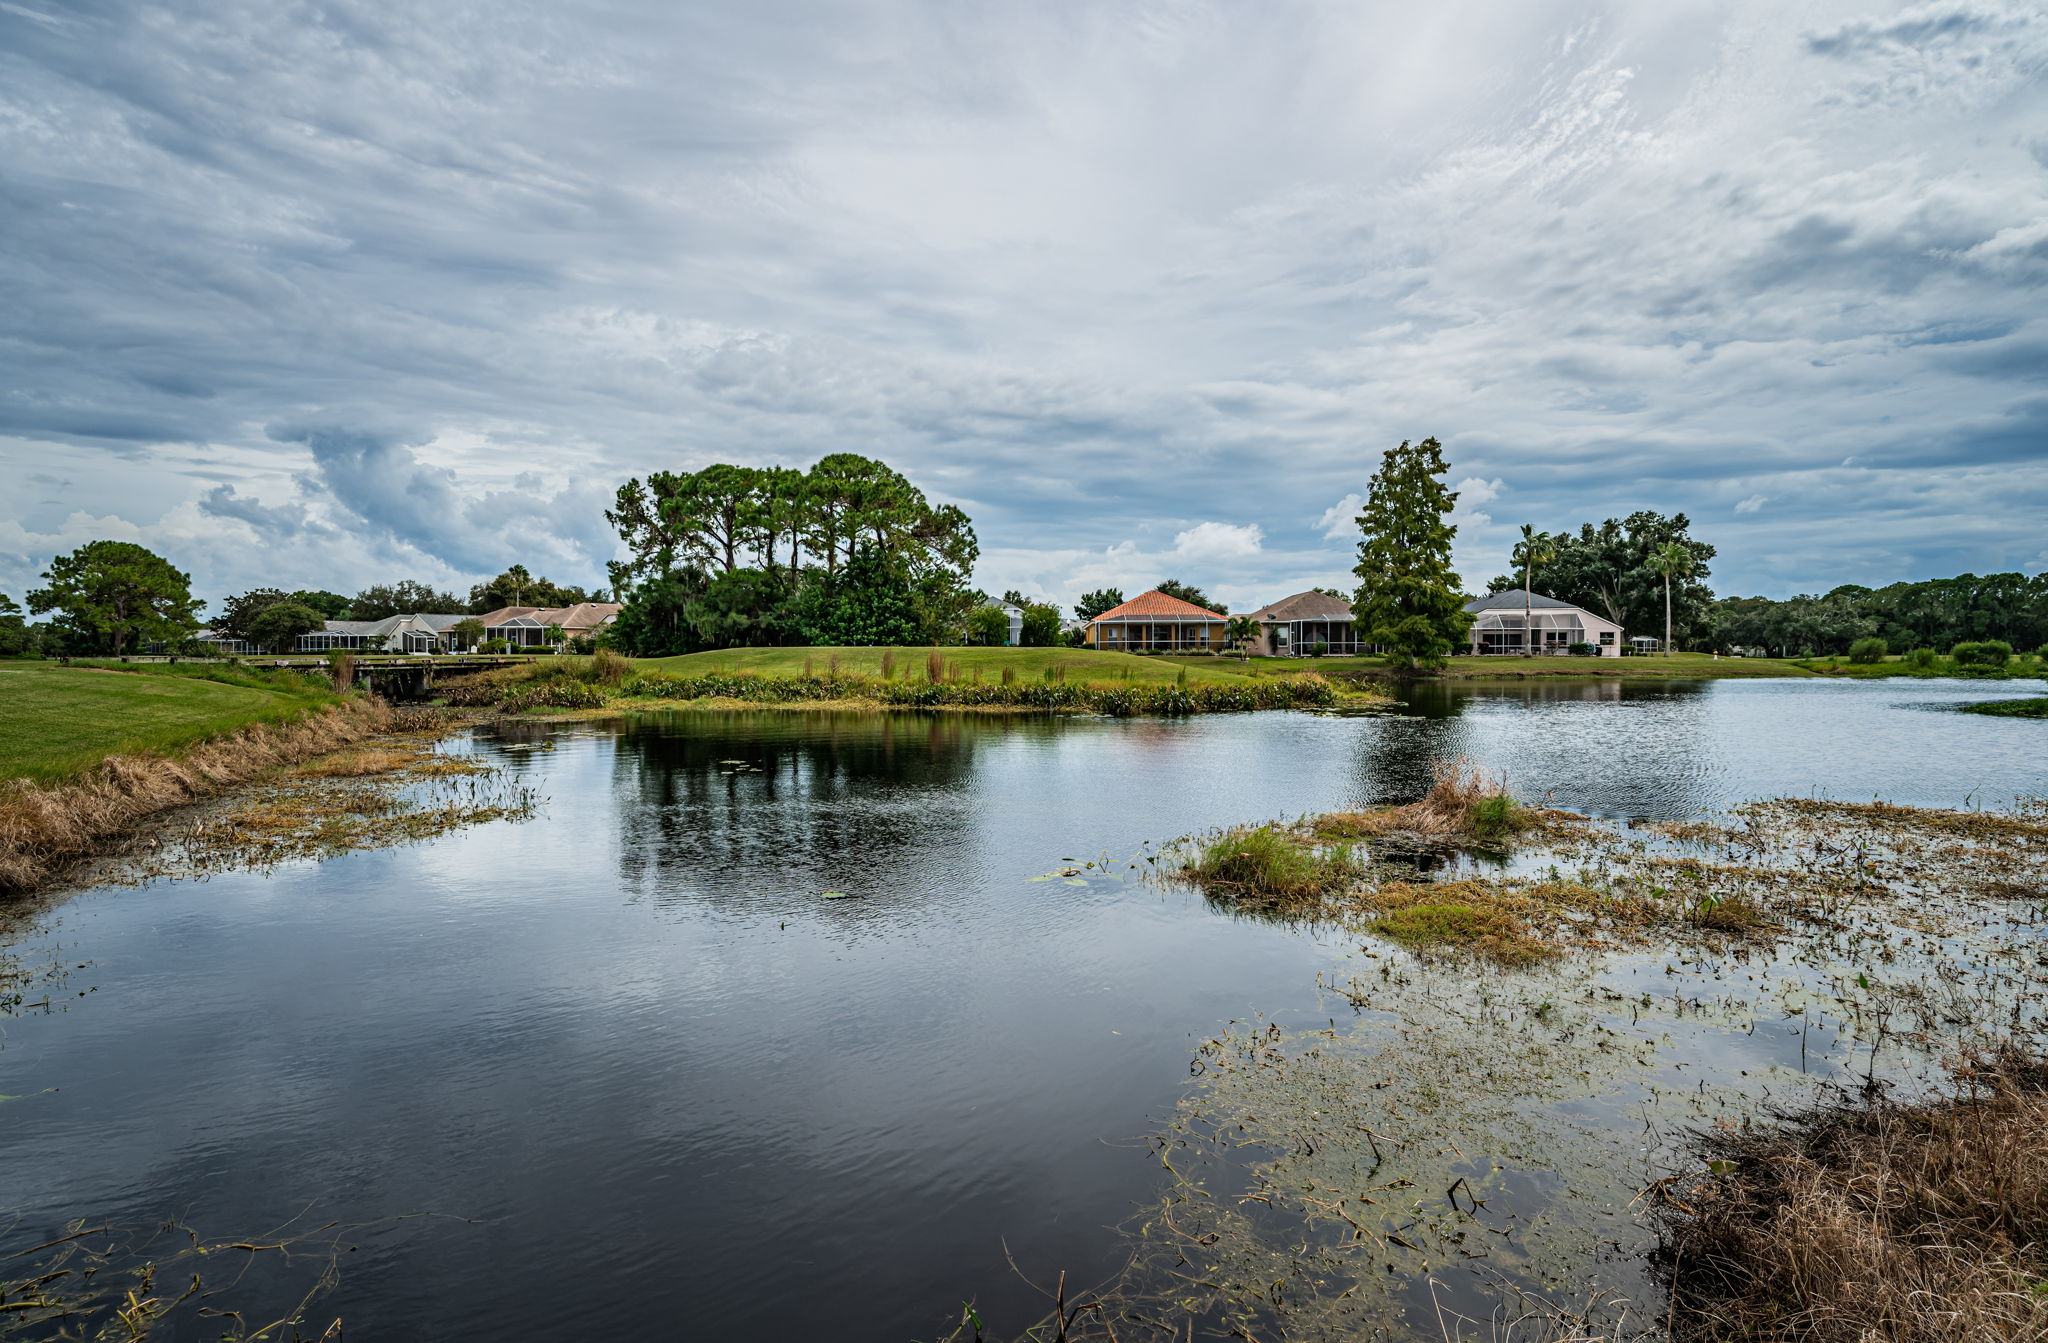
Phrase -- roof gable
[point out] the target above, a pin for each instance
(1156, 605)
(1501, 601)
(1310, 605)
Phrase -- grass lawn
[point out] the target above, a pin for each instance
(56, 721)
(1081, 664)
(1688, 665)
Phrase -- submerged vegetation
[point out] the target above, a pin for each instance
(1584, 1092)
(2010, 708)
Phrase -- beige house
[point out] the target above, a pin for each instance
(1153, 622)
(1298, 625)
(527, 626)
(1551, 627)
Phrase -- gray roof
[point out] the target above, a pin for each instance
(1310, 605)
(1512, 598)
(389, 624)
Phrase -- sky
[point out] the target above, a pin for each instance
(321, 294)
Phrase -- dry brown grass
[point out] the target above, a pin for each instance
(1464, 802)
(42, 827)
(1871, 1221)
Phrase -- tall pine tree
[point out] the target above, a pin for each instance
(1409, 601)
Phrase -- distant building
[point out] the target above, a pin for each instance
(1153, 622)
(1552, 626)
(1015, 615)
(1293, 626)
(527, 626)
(392, 634)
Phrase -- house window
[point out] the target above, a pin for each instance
(1607, 637)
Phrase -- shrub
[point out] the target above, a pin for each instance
(1922, 659)
(1319, 648)
(1983, 653)
(1866, 651)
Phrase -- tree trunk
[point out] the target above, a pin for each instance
(1528, 650)
(1667, 615)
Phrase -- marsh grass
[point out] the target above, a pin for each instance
(935, 667)
(1870, 1218)
(889, 665)
(1272, 863)
(1463, 802)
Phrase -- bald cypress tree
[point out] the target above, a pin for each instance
(1409, 601)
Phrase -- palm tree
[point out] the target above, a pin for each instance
(1671, 560)
(1534, 548)
(1241, 630)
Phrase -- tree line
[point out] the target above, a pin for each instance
(1934, 613)
(848, 552)
(115, 597)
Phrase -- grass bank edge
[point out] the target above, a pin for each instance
(938, 680)
(279, 698)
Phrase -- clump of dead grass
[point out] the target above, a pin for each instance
(1871, 1219)
(1464, 803)
(44, 826)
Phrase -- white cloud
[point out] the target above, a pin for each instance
(1752, 503)
(1341, 518)
(1218, 541)
(1472, 491)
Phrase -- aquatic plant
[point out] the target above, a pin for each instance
(2010, 708)
(1264, 860)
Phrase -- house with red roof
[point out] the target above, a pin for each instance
(1153, 622)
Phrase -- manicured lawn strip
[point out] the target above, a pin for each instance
(57, 721)
(1026, 664)
(1687, 666)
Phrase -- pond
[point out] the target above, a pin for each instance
(625, 1071)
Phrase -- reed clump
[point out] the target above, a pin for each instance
(43, 826)
(1268, 861)
(1870, 1219)
(1464, 801)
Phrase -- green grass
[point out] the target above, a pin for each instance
(1684, 665)
(57, 721)
(2022, 667)
(1082, 665)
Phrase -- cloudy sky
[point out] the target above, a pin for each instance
(336, 291)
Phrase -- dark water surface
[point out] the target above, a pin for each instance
(677, 1094)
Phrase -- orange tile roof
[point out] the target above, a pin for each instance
(1156, 605)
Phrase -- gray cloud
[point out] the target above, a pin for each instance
(422, 284)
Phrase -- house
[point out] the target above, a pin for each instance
(1293, 626)
(1153, 622)
(1554, 626)
(527, 626)
(392, 634)
(217, 645)
(1015, 615)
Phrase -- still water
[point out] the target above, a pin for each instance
(650, 1084)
